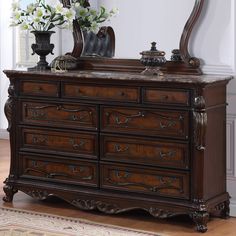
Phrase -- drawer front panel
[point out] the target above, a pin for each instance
(120, 177)
(50, 89)
(76, 116)
(143, 151)
(161, 96)
(148, 122)
(84, 173)
(101, 92)
(75, 144)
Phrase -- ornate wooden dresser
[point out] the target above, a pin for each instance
(120, 141)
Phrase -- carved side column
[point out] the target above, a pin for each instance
(10, 112)
(201, 213)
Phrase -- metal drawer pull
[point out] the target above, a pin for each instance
(75, 145)
(168, 125)
(128, 118)
(119, 149)
(167, 154)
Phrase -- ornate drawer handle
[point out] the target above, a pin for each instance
(168, 125)
(168, 154)
(128, 118)
(39, 140)
(119, 149)
(75, 145)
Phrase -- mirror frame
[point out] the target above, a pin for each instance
(186, 64)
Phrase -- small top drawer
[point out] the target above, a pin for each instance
(166, 96)
(44, 89)
(70, 90)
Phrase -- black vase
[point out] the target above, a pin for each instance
(42, 47)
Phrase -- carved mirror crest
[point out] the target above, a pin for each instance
(181, 60)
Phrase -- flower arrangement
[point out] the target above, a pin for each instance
(43, 15)
(88, 18)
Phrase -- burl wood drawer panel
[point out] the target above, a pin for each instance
(173, 124)
(166, 96)
(48, 89)
(150, 181)
(60, 115)
(122, 94)
(144, 151)
(76, 144)
(79, 172)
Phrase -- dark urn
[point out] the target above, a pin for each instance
(42, 47)
(153, 60)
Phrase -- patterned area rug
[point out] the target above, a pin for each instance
(14, 222)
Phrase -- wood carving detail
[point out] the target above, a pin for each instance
(160, 213)
(200, 118)
(9, 191)
(9, 105)
(92, 205)
(200, 218)
(37, 194)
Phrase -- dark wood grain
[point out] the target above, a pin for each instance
(99, 152)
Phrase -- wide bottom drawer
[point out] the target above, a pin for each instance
(59, 170)
(166, 183)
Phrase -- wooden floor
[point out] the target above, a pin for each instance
(180, 226)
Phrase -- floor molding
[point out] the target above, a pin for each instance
(4, 134)
(233, 208)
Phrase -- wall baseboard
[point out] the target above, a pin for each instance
(233, 208)
(218, 69)
(4, 134)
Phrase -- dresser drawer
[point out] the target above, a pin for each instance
(74, 172)
(120, 94)
(59, 115)
(48, 89)
(146, 121)
(156, 182)
(144, 151)
(75, 144)
(166, 96)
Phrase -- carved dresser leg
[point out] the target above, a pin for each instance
(200, 218)
(9, 193)
(225, 210)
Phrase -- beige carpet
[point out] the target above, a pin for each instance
(14, 222)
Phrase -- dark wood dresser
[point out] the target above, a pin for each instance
(120, 141)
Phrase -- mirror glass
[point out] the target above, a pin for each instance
(141, 22)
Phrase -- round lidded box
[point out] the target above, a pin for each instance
(153, 60)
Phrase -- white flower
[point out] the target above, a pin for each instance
(70, 14)
(16, 15)
(15, 6)
(82, 12)
(39, 12)
(59, 8)
(30, 8)
(114, 11)
(25, 26)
